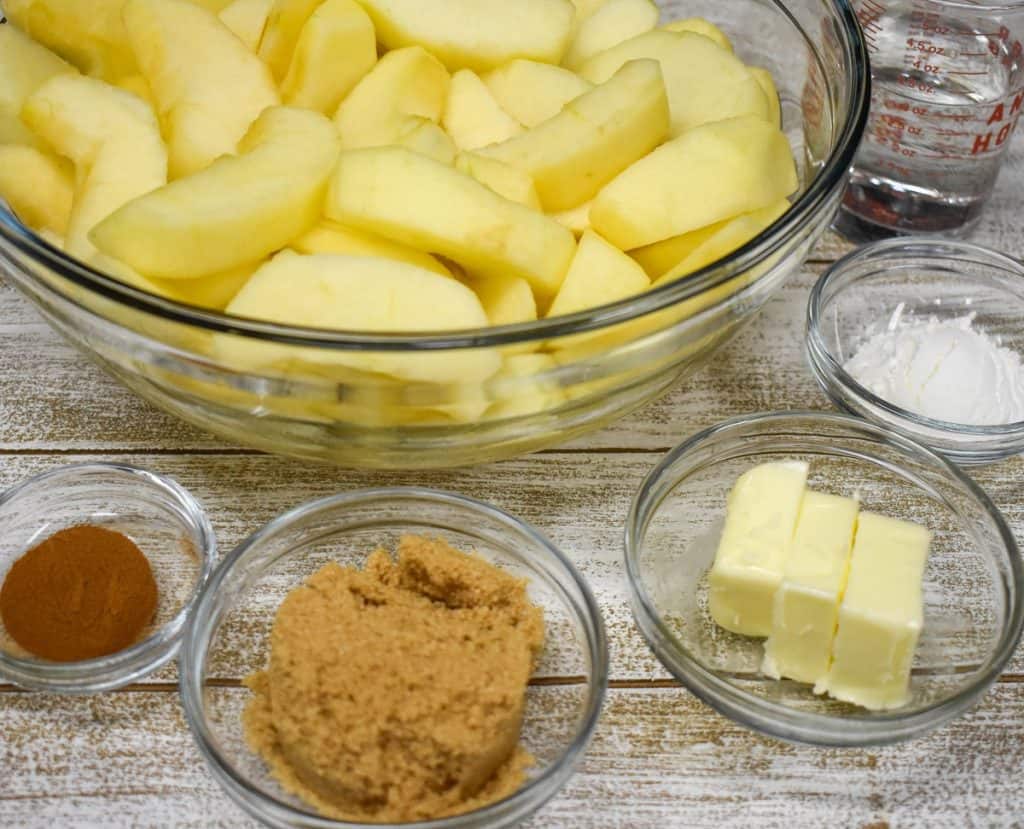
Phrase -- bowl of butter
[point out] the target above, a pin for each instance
(823, 580)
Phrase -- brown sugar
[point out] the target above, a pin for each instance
(395, 693)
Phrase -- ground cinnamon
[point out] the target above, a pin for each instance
(83, 593)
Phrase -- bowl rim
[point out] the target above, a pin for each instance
(803, 212)
(160, 646)
(524, 801)
(827, 367)
(877, 728)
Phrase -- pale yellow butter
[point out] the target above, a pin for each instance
(881, 614)
(807, 602)
(760, 519)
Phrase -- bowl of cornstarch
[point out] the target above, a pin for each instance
(926, 337)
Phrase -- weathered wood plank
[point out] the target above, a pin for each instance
(660, 756)
(579, 500)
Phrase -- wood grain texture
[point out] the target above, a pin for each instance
(580, 500)
(660, 756)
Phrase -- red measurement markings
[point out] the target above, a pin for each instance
(869, 14)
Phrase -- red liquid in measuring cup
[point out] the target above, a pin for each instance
(947, 94)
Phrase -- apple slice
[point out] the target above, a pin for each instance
(476, 34)
(585, 8)
(700, 26)
(659, 258)
(767, 83)
(329, 237)
(612, 23)
(138, 86)
(704, 81)
(573, 155)
(113, 139)
(405, 88)
(247, 19)
(599, 274)
(424, 204)
(238, 210)
(722, 239)
(506, 300)
(38, 186)
(88, 34)
(524, 386)
(472, 117)
(533, 92)
(24, 67)
(506, 181)
(212, 292)
(426, 138)
(335, 50)
(208, 87)
(282, 32)
(366, 294)
(577, 219)
(708, 174)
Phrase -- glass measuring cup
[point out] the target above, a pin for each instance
(948, 90)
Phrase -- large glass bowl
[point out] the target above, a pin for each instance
(486, 394)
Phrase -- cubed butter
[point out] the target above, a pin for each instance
(881, 614)
(807, 601)
(760, 520)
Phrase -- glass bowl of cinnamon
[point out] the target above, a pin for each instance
(99, 566)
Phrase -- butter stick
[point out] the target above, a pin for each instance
(760, 519)
(881, 614)
(807, 602)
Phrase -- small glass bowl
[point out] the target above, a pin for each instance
(228, 636)
(973, 614)
(161, 517)
(929, 278)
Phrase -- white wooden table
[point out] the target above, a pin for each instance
(660, 757)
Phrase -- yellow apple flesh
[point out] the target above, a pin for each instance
(208, 87)
(24, 67)
(419, 202)
(472, 116)
(395, 102)
(113, 139)
(608, 26)
(533, 92)
(247, 19)
(573, 155)
(238, 210)
(329, 237)
(336, 49)
(503, 179)
(708, 174)
(318, 291)
(38, 186)
(700, 26)
(476, 34)
(704, 81)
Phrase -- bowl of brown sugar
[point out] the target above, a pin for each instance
(409, 657)
(99, 566)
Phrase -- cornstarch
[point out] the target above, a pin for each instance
(942, 369)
